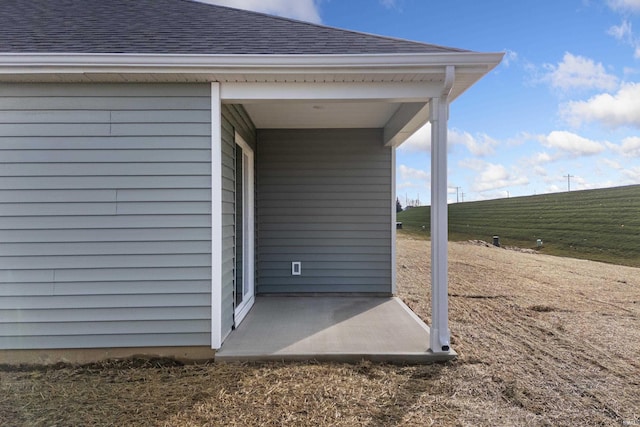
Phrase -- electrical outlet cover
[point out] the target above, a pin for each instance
(296, 268)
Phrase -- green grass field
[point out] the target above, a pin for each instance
(601, 225)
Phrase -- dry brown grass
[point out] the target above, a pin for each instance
(542, 341)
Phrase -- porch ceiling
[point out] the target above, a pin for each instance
(316, 115)
(399, 108)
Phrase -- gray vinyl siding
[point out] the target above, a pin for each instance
(105, 215)
(234, 119)
(324, 198)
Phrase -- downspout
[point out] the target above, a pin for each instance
(449, 79)
(439, 333)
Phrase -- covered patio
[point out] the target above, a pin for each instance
(330, 328)
(250, 160)
(325, 210)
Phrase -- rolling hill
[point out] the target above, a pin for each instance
(601, 225)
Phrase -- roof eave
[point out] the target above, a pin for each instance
(28, 63)
(428, 67)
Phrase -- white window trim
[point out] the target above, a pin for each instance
(248, 252)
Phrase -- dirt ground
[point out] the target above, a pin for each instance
(542, 341)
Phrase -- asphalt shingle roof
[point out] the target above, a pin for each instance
(176, 27)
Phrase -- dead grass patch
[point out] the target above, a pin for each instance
(542, 341)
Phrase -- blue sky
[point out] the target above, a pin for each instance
(564, 101)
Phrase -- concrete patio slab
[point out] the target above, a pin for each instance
(345, 329)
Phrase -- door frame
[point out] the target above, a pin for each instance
(248, 232)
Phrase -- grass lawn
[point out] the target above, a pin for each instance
(601, 225)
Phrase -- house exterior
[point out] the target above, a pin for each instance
(164, 161)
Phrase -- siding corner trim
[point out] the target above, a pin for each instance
(216, 217)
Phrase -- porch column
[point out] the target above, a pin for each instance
(439, 334)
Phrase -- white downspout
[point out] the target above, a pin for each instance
(439, 333)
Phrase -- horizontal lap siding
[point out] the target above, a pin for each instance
(324, 198)
(105, 215)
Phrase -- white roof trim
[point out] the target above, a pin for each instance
(61, 62)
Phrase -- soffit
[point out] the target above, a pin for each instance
(313, 115)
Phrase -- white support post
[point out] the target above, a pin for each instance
(439, 333)
(439, 224)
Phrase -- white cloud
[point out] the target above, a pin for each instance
(519, 139)
(624, 5)
(612, 164)
(414, 183)
(473, 164)
(478, 145)
(539, 170)
(632, 175)
(624, 33)
(389, 4)
(578, 72)
(541, 158)
(555, 189)
(406, 186)
(494, 172)
(419, 141)
(630, 147)
(482, 145)
(550, 178)
(621, 109)
(496, 176)
(509, 57)
(408, 174)
(570, 143)
(492, 176)
(305, 10)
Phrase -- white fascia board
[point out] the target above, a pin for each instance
(11, 63)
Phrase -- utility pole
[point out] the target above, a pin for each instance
(568, 176)
(462, 194)
(457, 195)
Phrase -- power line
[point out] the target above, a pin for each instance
(568, 176)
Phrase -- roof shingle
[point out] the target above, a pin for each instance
(177, 27)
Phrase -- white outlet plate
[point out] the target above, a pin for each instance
(296, 268)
